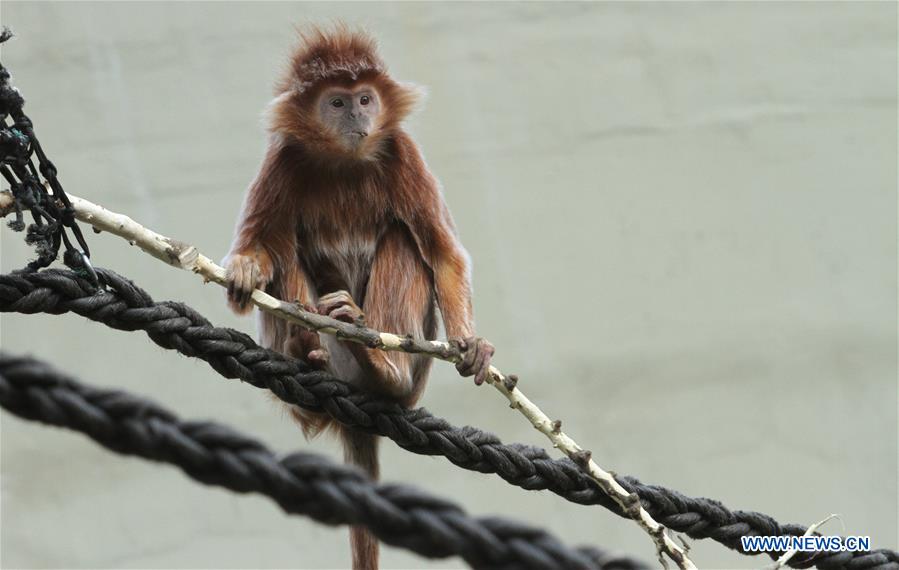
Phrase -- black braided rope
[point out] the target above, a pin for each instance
(300, 483)
(123, 305)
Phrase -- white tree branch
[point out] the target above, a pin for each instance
(785, 558)
(185, 256)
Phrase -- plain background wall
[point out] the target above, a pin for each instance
(683, 224)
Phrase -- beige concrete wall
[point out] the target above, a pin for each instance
(683, 224)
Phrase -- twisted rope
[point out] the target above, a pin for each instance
(123, 305)
(300, 483)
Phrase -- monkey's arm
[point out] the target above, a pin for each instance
(265, 239)
(435, 232)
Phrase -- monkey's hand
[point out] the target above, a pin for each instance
(476, 355)
(246, 272)
(340, 305)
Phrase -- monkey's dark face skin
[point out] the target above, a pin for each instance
(351, 114)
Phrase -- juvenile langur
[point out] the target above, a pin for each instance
(345, 218)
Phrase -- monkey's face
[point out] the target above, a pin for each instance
(351, 115)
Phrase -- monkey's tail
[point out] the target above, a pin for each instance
(361, 449)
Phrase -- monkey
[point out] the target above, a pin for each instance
(345, 218)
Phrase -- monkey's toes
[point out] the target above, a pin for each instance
(331, 302)
(318, 358)
(347, 314)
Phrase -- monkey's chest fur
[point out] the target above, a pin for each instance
(338, 231)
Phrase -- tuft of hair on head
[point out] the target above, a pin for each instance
(336, 55)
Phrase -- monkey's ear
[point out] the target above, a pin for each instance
(405, 99)
(278, 111)
(287, 115)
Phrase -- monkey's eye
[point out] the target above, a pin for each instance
(365, 100)
(337, 103)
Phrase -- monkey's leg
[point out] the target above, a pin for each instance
(399, 298)
(292, 283)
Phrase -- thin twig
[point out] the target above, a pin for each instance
(185, 256)
(782, 561)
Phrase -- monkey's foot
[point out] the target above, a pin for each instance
(318, 358)
(306, 345)
(339, 305)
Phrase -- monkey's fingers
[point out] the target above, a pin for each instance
(476, 356)
(231, 277)
(469, 357)
(485, 354)
(235, 289)
(251, 279)
(231, 291)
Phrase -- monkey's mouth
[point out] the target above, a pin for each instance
(355, 139)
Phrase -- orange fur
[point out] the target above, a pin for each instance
(340, 57)
(319, 219)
